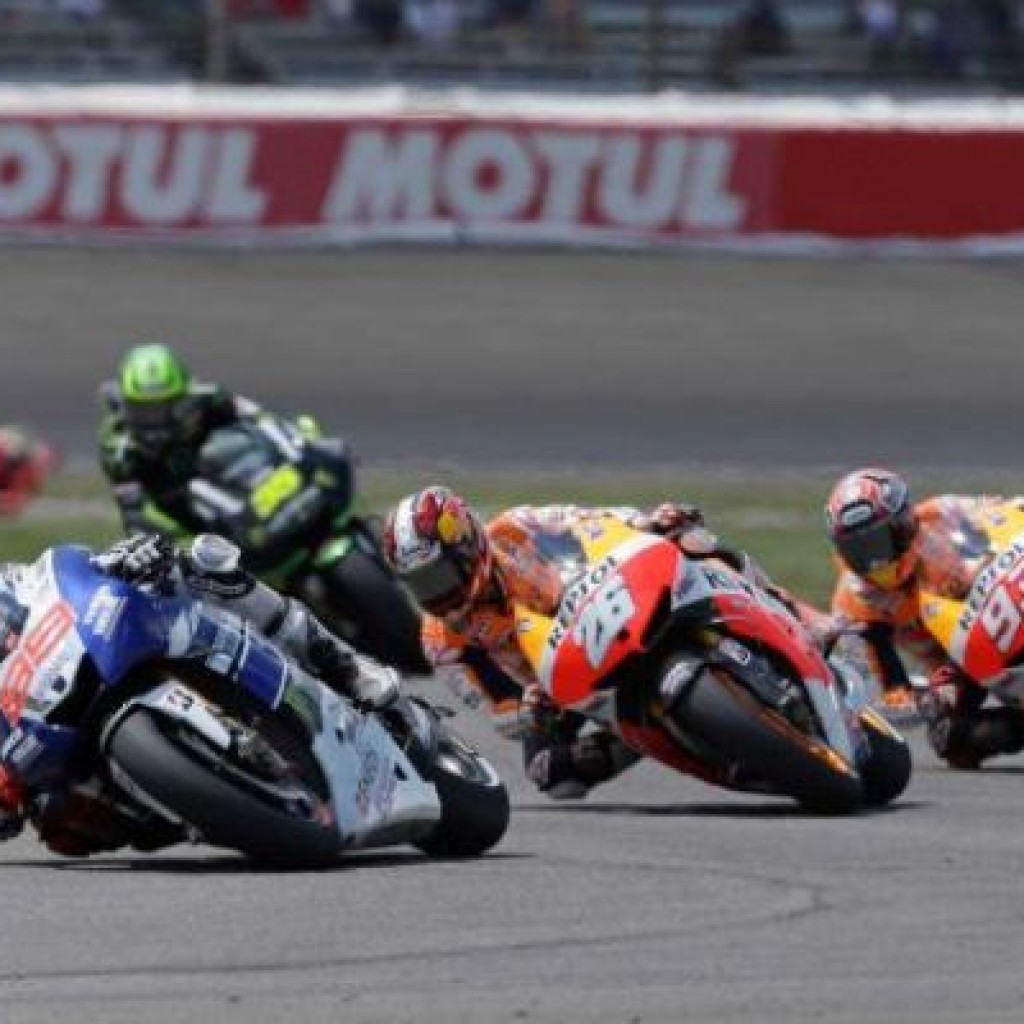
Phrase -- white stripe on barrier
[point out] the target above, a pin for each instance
(191, 100)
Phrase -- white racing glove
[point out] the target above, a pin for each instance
(375, 685)
(143, 559)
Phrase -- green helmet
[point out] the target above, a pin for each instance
(153, 373)
(155, 388)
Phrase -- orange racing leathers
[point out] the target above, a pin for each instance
(949, 550)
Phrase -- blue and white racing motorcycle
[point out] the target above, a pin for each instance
(187, 716)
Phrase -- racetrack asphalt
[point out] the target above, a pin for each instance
(659, 898)
(508, 357)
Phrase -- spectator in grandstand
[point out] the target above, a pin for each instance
(512, 12)
(998, 17)
(380, 19)
(513, 18)
(83, 9)
(434, 23)
(1000, 39)
(758, 31)
(26, 462)
(935, 36)
(763, 30)
(881, 22)
(566, 25)
(338, 12)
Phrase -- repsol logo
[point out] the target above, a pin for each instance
(578, 594)
(999, 568)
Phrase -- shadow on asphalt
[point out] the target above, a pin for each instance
(232, 865)
(988, 769)
(715, 810)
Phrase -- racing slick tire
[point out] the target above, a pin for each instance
(763, 746)
(474, 802)
(387, 625)
(223, 810)
(886, 771)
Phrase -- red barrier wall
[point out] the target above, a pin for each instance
(504, 179)
(881, 183)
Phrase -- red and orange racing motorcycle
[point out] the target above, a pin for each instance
(981, 627)
(693, 664)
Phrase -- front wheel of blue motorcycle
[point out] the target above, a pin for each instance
(251, 800)
(474, 802)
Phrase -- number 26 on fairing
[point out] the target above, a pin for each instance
(601, 620)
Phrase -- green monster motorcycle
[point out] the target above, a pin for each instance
(286, 496)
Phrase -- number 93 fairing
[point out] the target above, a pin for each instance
(183, 715)
(695, 665)
(977, 614)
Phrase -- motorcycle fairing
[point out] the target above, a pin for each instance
(268, 478)
(641, 723)
(38, 751)
(231, 648)
(726, 598)
(117, 627)
(604, 617)
(120, 626)
(601, 617)
(376, 791)
(983, 632)
(333, 551)
(75, 614)
(78, 614)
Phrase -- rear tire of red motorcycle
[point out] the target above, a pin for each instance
(733, 723)
(886, 771)
(225, 814)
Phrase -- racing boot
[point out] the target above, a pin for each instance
(600, 757)
(989, 733)
(367, 682)
(569, 770)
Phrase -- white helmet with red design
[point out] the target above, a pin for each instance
(439, 549)
(872, 525)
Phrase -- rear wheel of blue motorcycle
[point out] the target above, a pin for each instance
(474, 802)
(224, 811)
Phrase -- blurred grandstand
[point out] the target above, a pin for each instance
(916, 46)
